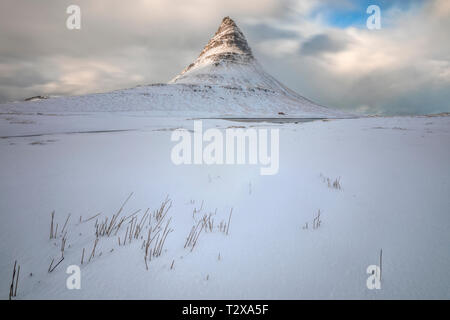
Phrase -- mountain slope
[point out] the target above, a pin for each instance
(225, 81)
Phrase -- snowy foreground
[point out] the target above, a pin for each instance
(395, 184)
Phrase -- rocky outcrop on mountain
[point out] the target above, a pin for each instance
(228, 45)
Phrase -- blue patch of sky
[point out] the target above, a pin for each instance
(354, 14)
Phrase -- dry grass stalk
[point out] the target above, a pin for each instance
(125, 239)
(65, 224)
(154, 244)
(106, 227)
(89, 219)
(17, 281)
(141, 224)
(337, 184)
(132, 215)
(229, 219)
(93, 250)
(222, 226)
(82, 257)
(63, 244)
(160, 245)
(146, 265)
(190, 235)
(157, 241)
(113, 220)
(131, 230)
(192, 238)
(208, 222)
(148, 242)
(51, 225)
(333, 184)
(161, 213)
(119, 225)
(381, 262)
(197, 210)
(15, 277)
(50, 269)
(316, 221)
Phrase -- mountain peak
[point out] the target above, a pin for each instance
(226, 21)
(227, 46)
(229, 39)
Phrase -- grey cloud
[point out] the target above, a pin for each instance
(320, 44)
(265, 31)
(28, 77)
(377, 92)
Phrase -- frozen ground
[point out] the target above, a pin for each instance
(394, 174)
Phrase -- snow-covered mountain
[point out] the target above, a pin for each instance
(227, 61)
(225, 81)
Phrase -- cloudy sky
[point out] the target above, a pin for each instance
(321, 49)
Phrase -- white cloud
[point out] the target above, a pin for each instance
(382, 70)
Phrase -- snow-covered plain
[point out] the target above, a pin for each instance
(394, 174)
(192, 100)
